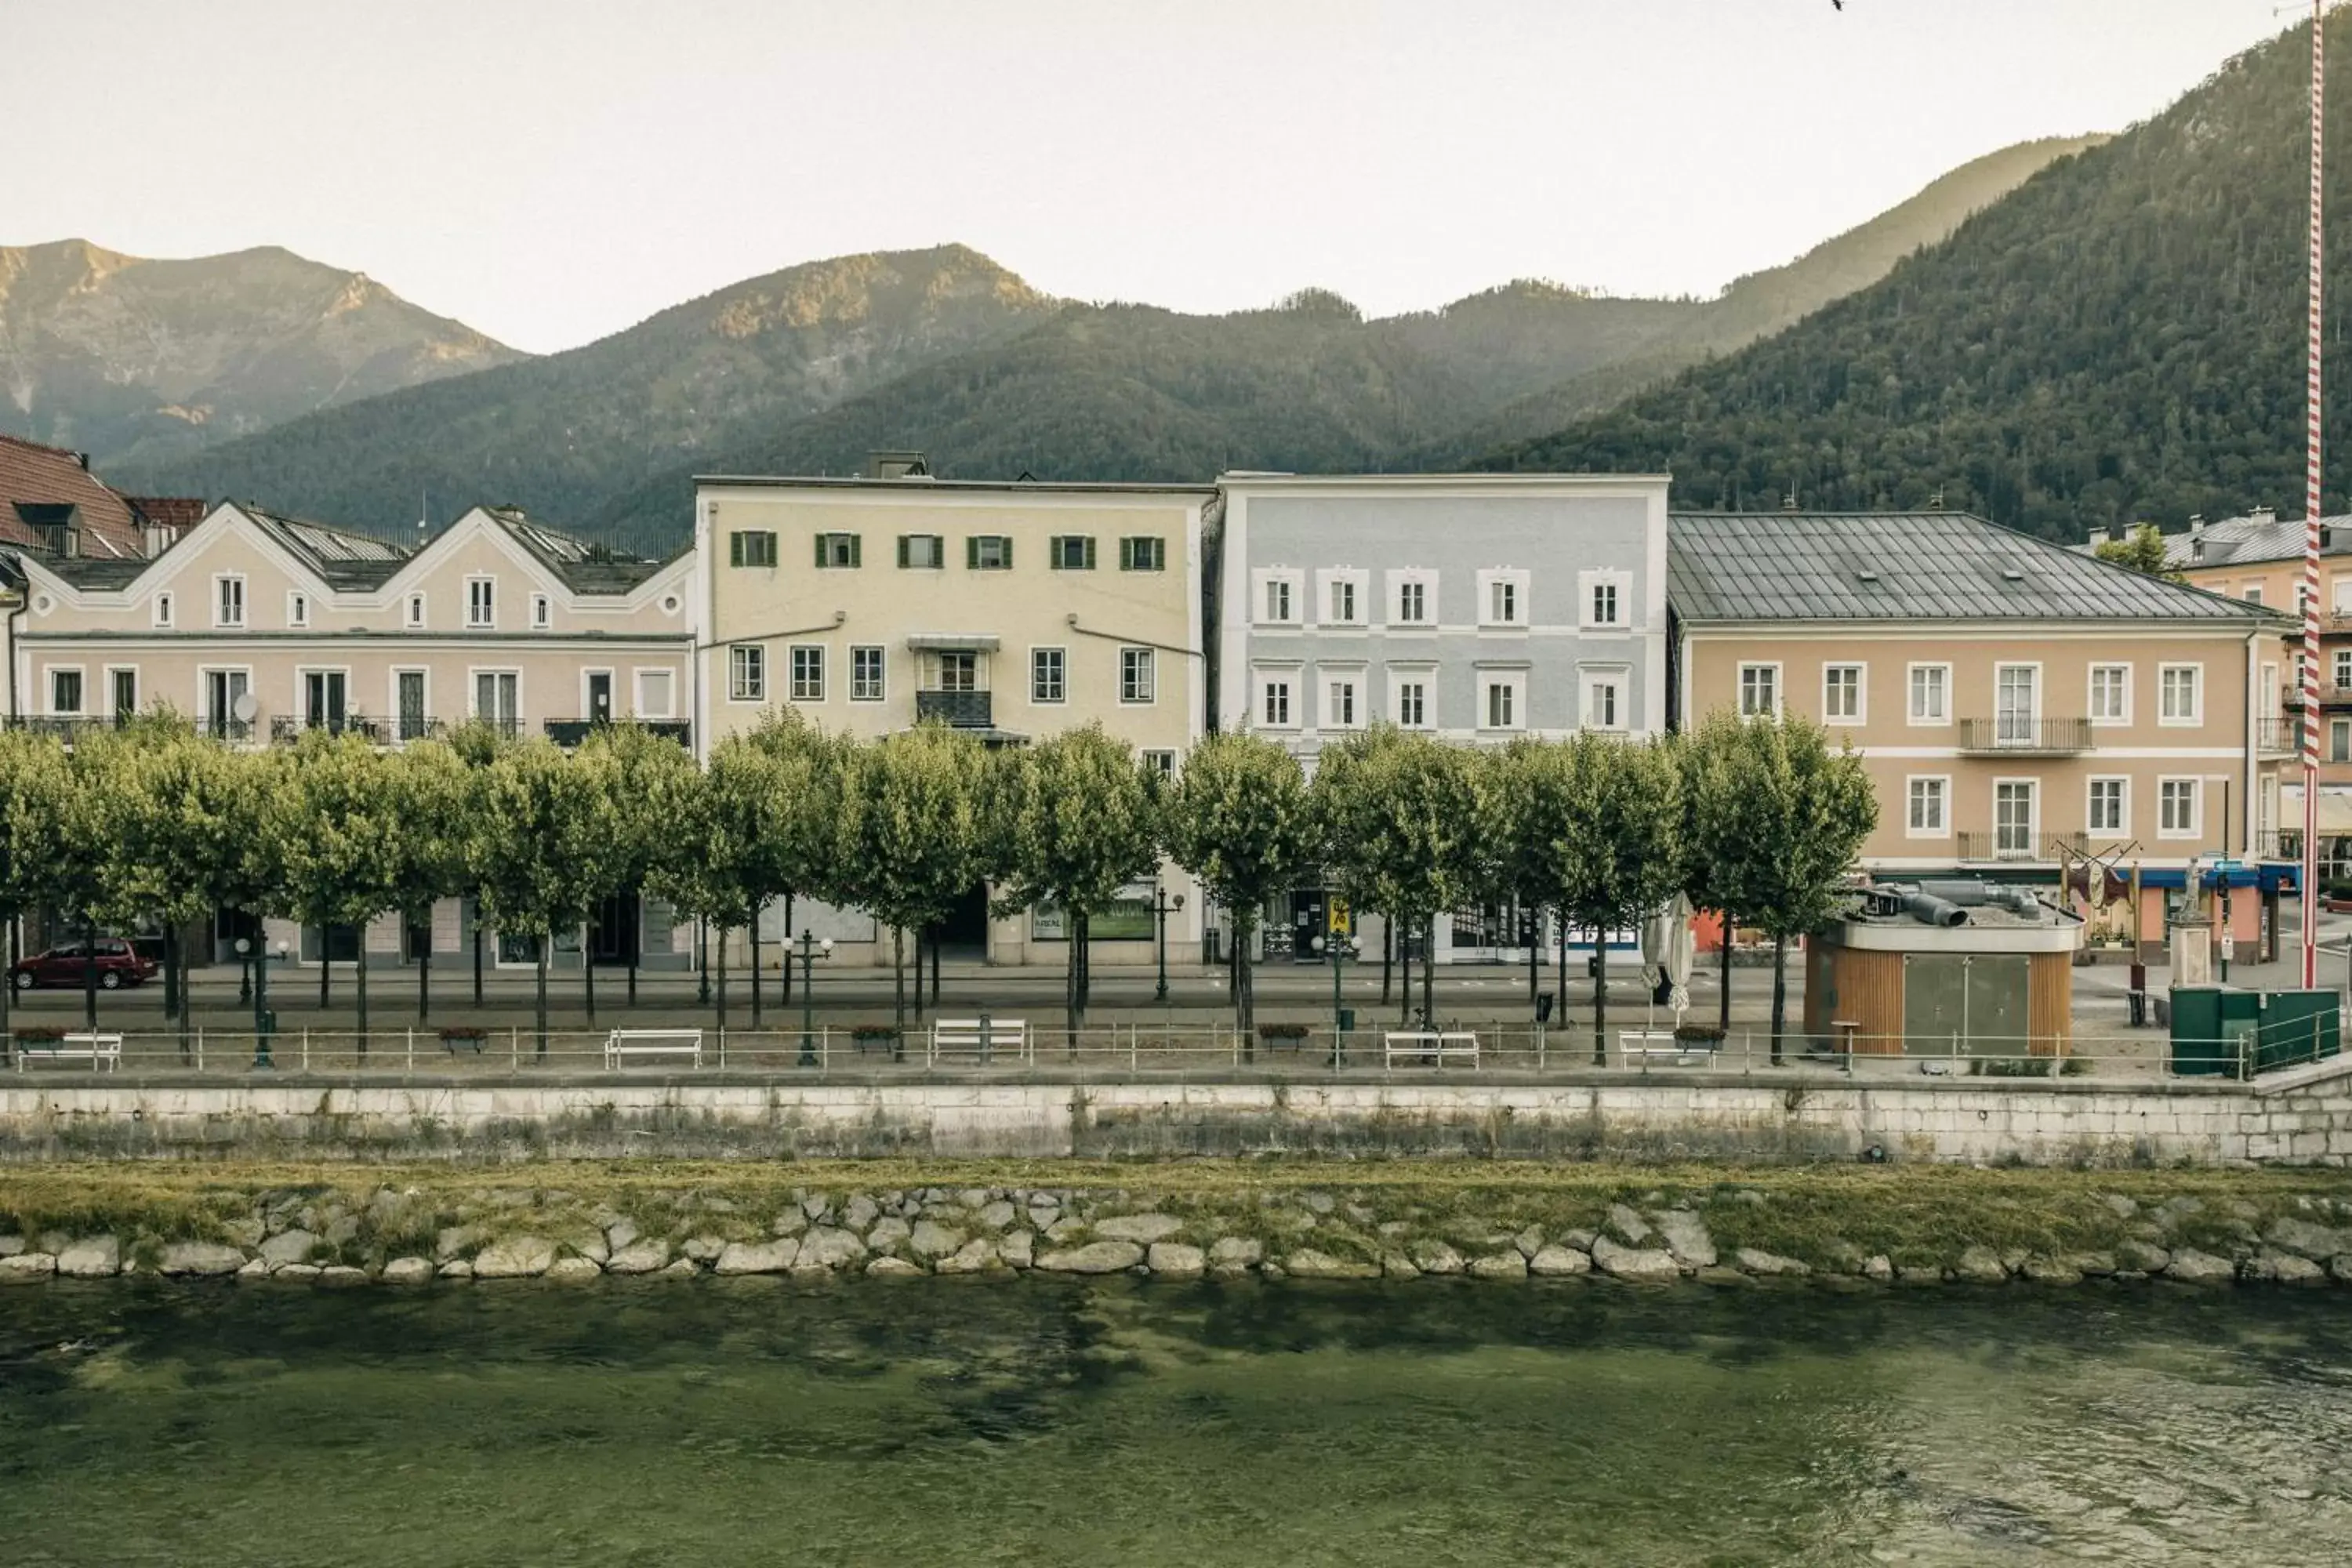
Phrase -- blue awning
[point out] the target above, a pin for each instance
(2269, 879)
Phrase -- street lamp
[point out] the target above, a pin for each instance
(1340, 949)
(264, 1025)
(812, 948)
(1160, 905)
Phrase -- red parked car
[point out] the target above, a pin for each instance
(119, 964)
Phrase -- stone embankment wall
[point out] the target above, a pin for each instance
(1727, 1235)
(1814, 1118)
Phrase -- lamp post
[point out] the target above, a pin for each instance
(811, 950)
(264, 1025)
(1340, 949)
(1161, 906)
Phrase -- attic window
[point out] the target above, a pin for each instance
(1866, 574)
(2011, 575)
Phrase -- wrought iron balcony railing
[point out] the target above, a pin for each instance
(2042, 737)
(964, 710)
(570, 732)
(1998, 847)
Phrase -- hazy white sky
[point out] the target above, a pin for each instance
(551, 171)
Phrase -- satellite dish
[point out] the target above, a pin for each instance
(244, 707)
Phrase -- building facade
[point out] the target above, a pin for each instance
(2023, 710)
(1012, 611)
(260, 627)
(1475, 608)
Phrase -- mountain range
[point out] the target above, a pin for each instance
(808, 369)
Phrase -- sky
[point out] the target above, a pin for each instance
(553, 171)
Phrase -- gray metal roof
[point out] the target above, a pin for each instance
(2244, 540)
(342, 557)
(584, 565)
(1907, 566)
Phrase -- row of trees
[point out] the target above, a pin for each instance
(153, 822)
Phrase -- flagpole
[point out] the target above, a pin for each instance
(2311, 505)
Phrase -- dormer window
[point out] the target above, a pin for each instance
(228, 601)
(417, 612)
(298, 609)
(481, 603)
(542, 613)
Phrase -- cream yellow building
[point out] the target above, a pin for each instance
(2020, 708)
(1012, 611)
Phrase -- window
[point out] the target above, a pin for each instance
(481, 602)
(1413, 604)
(498, 697)
(1339, 602)
(126, 692)
(1930, 686)
(164, 610)
(1071, 553)
(1160, 763)
(1603, 699)
(1412, 704)
(988, 552)
(1137, 679)
(2179, 701)
(2176, 808)
(2014, 808)
(2252, 594)
(2106, 805)
(2343, 668)
(838, 551)
(747, 674)
(415, 612)
(752, 547)
(653, 694)
(1760, 690)
(1278, 600)
(2016, 703)
(65, 691)
(2110, 694)
(1928, 799)
(1278, 704)
(542, 613)
(957, 671)
(1502, 705)
(228, 601)
(808, 673)
(1604, 603)
(1603, 598)
(298, 608)
(2339, 740)
(1145, 552)
(866, 674)
(1339, 705)
(1046, 672)
(922, 551)
(1842, 693)
(1502, 598)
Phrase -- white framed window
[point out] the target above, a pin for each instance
(1760, 690)
(2181, 694)
(542, 613)
(922, 551)
(123, 692)
(1138, 675)
(1931, 693)
(1344, 594)
(2252, 593)
(1503, 597)
(497, 698)
(2339, 740)
(1409, 705)
(161, 612)
(747, 673)
(1928, 807)
(1502, 699)
(2339, 594)
(65, 690)
(2111, 694)
(1603, 599)
(866, 674)
(656, 694)
(1274, 702)
(1048, 675)
(2177, 805)
(1601, 698)
(1412, 597)
(752, 547)
(415, 612)
(988, 552)
(228, 600)
(2343, 668)
(1279, 595)
(840, 551)
(1340, 702)
(2016, 704)
(1162, 762)
(808, 672)
(2107, 808)
(1071, 553)
(481, 603)
(1842, 693)
(2016, 817)
(298, 608)
(1144, 552)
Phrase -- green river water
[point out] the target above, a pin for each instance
(1036, 1423)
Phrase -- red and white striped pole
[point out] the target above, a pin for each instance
(2311, 502)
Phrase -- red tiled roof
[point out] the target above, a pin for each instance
(53, 476)
(170, 511)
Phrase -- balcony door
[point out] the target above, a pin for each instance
(959, 672)
(2017, 704)
(600, 697)
(223, 688)
(2013, 819)
(410, 696)
(497, 699)
(323, 698)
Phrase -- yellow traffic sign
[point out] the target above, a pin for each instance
(1340, 925)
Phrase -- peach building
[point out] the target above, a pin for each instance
(2026, 712)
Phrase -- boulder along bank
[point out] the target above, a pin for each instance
(430, 1228)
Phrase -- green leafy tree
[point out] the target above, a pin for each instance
(2141, 551)
(910, 839)
(1076, 825)
(1713, 856)
(1616, 844)
(698, 872)
(777, 806)
(342, 835)
(59, 854)
(1397, 817)
(649, 774)
(1522, 795)
(432, 791)
(543, 825)
(478, 744)
(1239, 818)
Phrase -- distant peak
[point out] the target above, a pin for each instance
(1322, 305)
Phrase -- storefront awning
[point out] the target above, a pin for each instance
(953, 642)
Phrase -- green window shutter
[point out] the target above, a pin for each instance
(1090, 551)
(1007, 548)
(971, 553)
(902, 552)
(1127, 554)
(735, 549)
(857, 549)
(820, 551)
(1054, 552)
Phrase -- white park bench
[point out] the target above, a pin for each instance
(622, 1045)
(93, 1048)
(1645, 1046)
(983, 1036)
(1433, 1047)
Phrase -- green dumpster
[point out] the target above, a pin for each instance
(2298, 1027)
(2214, 1028)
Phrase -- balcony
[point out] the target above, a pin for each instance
(960, 710)
(2277, 737)
(286, 729)
(2025, 737)
(568, 733)
(222, 727)
(63, 727)
(415, 727)
(2031, 849)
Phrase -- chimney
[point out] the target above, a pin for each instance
(896, 465)
(83, 459)
(2117, 532)
(2264, 514)
(2197, 525)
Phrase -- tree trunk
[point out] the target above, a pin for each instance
(1600, 999)
(1245, 987)
(1780, 991)
(1535, 963)
(546, 941)
(358, 975)
(935, 968)
(755, 971)
(8, 991)
(1403, 926)
(170, 979)
(788, 948)
(702, 956)
(424, 973)
(637, 937)
(477, 958)
(326, 966)
(175, 986)
(1723, 1003)
(588, 974)
(899, 981)
(1429, 973)
(1563, 969)
(722, 976)
(90, 972)
(1070, 988)
(1388, 953)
